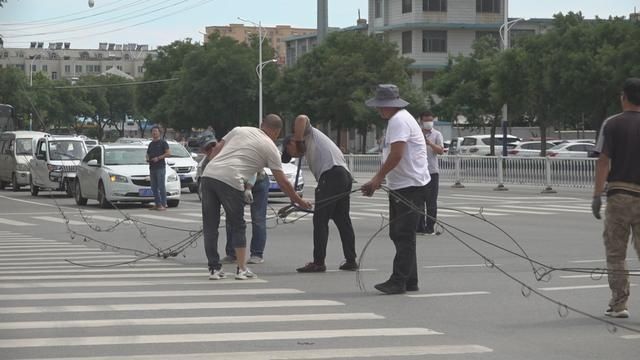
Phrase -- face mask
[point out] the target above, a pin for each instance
(427, 125)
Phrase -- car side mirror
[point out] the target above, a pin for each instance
(93, 162)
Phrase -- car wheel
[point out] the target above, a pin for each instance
(102, 197)
(14, 182)
(2, 185)
(193, 188)
(34, 188)
(78, 195)
(173, 203)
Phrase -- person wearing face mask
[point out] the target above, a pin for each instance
(435, 147)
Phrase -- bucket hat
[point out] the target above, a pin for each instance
(387, 95)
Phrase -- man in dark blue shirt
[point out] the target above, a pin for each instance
(157, 151)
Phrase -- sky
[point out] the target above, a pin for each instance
(160, 22)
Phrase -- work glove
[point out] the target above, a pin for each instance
(596, 204)
(248, 196)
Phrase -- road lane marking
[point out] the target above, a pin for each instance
(58, 265)
(14, 222)
(338, 353)
(166, 306)
(469, 293)
(208, 320)
(102, 284)
(457, 266)
(536, 207)
(75, 256)
(147, 294)
(594, 275)
(99, 276)
(587, 261)
(169, 218)
(68, 249)
(213, 337)
(578, 287)
(59, 220)
(476, 210)
(81, 270)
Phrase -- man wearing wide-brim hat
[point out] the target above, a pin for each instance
(404, 164)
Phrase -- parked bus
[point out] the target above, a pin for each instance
(7, 118)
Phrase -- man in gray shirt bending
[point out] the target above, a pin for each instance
(332, 195)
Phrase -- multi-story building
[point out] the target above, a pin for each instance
(60, 61)
(430, 31)
(276, 35)
(296, 46)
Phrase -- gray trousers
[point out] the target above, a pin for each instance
(622, 218)
(215, 193)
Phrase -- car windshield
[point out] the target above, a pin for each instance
(125, 156)
(24, 147)
(67, 150)
(178, 151)
(498, 140)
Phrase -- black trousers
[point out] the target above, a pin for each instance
(430, 206)
(330, 204)
(402, 231)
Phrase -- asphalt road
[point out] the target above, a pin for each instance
(167, 308)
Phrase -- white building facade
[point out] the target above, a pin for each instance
(59, 61)
(430, 31)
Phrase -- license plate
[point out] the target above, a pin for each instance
(145, 192)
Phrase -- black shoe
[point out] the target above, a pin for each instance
(349, 266)
(390, 288)
(311, 268)
(413, 287)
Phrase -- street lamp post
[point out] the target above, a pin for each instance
(261, 64)
(38, 56)
(504, 35)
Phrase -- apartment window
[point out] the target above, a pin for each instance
(434, 41)
(407, 6)
(488, 6)
(89, 68)
(140, 69)
(54, 75)
(78, 68)
(406, 42)
(67, 68)
(20, 66)
(434, 5)
(34, 67)
(119, 67)
(377, 9)
(45, 68)
(109, 67)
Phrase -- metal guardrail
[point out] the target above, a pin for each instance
(536, 171)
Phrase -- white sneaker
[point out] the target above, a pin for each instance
(255, 260)
(245, 274)
(217, 274)
(622, 314)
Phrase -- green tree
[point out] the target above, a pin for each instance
(332, 82)
(464, 88)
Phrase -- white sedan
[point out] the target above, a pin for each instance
(572, 149)
(120, 173)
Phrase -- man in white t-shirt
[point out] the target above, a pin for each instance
(236, 158)
(404, 164)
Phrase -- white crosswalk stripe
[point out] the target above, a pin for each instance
(44, 306)
(14, 222)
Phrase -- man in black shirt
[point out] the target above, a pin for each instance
(618, 164)
(157, 151)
